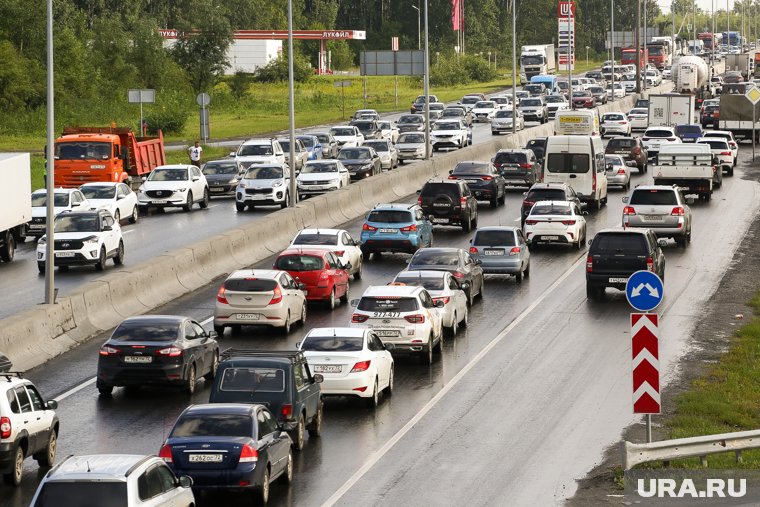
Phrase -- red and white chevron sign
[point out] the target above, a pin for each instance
(645, 352)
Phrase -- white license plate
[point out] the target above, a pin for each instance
(217, 189)
(618, 280)
(652, 218)
(159, 202)
(493, 251)
(247, 316)
(260, 197)
(472, 181)
(387, 333)
(327, 368)
(440, 220)
(138, 359)
(389, 230)
(65, 254)
(205, 458)
(36, 226)
(550, 238)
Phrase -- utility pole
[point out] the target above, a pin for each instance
(50, 156)
(514, 67)
(427, 86)
(570, 53)
(612, 44)
(644, 47)
(292, 189)
(638, 42)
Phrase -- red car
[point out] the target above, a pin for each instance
(584, 99)
(326, 278)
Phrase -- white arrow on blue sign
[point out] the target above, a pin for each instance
(644, 291)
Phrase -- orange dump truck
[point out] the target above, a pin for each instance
(86, 154)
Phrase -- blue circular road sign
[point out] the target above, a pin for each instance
(644, 291)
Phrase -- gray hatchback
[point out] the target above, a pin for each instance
(501, 250)
(662, 209)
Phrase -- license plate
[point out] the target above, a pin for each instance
(550, 238)
(36, 226)
(653, 218)
(65, 254)
(217, 189)
(159, 202)
(247, 316)
(138, 359)
(440, 220)
(493, 251)
(472, 181)
(391, 231)
(387, 333)
(618, 280)
(327, 368)
(205, 458)
(259, 197)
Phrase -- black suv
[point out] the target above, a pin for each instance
(484, 180)
(538, 147)
(368, 128)
(547, 192)
(280, 380)
(616, 254)
(518, 167)
(449, 203)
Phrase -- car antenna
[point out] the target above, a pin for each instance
(87, 462)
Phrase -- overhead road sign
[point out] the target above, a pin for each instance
(644, 291)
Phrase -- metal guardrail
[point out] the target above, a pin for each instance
(700, 447)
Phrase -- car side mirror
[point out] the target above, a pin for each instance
(464, 285)
(185, 481)
(354, 303)
(298, 345)
(440, 304)
(584, 213)
(119, 197)
(318, 378)
(302, 286)
(389, 346)
(233, 154)
(107, 228)
(588, 242)
(625, 199)
(346, 266)
(662, 242)
(51, 405)
(451, 171)
(478, 262)
(213, 335)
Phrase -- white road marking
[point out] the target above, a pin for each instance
(377, 455)
(204, 322)
(127, 231)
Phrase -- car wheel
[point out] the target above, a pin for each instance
(526, 272)
(474, 224)
(730, 171)
(315, 427)
(470, 297)
(466, 226)
(331, 300)
(204, 203)
(189, 204)
(219, 331)
(346, 295)
(427, 355)
(133, 216)
(101, 265)
(119, 259)
(262, 494)
(47, 458)
(13, 478)
(373, 400)
(454, 329)
(190, 381)
(519, 277)
(389, 388)
(9, 247)
(143, 209)
(594, 293)
(298, 436)
(302, 320)
(466, 319)
(287, 476)
(286, 202)
(104, 389)
(209, 377)
(117, 217)
(358, 272)
(286, 328)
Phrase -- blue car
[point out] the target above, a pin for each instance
(395, 228)
(235, 447)
(689, 133)
(312, 144)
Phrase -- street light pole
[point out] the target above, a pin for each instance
(419, 36)
(50, 155)
(427, 86)
(514, 67)
(291, 110)
(644, 48)
(638, 44)
(612, 43)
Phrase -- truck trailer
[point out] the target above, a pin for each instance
(15, 201)
(671, 110)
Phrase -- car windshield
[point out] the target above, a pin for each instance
(410, 119)
(510, 157)
(615, 243)
(316, 239)
(504, 113)
(307, 141)
(494, 238)
(613, 117)
(364, 126)
(138, 331)
(299, 263)
(345, 132)
(621, 143)
(530, 102)
(411, 138)
(550, 209)
(220, 169)
(253, 379)
(581, 94)
(286, 146)
(333, 343)
(562, 85)
(320, 167)
(387, 304)
(716, 145)
(485, 104)
(213, 425)
(77, 223)
(445, 126)
(658, 133)
(250, 284)
(353, 154)
(390, 216)
(654, 197)
(426, 257)
(428, 282)
(532, 60)
(554, 99)
(323, 138)
(384, 125)
(82, 151)
(380, 146)
(253, 150)
(83, 494)
(596, 89)
(60, 200)
(572, 163)
(471, 168)
(452, 113)
(264, 173)
(688, 129)
(94, 192)
(178, 174)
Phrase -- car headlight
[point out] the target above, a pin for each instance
(234, 181)
(42, 240)
(367, 165)
(90, 239)
(141, 190)
(180, 189)
(277, 183)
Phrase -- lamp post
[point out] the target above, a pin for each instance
(587, 48)
(612, 44)
(291, 110)
(514, 67)
(489, 58)
(419, 36)
(50, 156)
(427, 86)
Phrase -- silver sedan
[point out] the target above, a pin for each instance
(618, 173)
(501, 250)
(442, 286)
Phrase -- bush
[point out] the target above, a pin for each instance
(239, 84)
(170, 117)
(478, 69)
(277, 70)
(451, 70)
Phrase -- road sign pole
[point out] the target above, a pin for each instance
(343, 96)
(649, 428)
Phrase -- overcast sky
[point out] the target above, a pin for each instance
(705, 5)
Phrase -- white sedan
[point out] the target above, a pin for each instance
(639, 118)
(338, 241)
(555, 222)
(617, 172)
(484, 111)
(117, 198)
(353, 362)
(321, 176)
(615, 123)
(442, 286)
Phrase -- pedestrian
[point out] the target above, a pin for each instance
(195, 153)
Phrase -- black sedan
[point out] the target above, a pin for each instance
(233, 447)
(361, 161)
(157, 349)
(454, 260)
(484, 180)
(222, 176)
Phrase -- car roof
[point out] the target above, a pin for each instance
(155, 319)
(554, 203)
(320, 231)
(395, 206)
(613, 112)
(441, 249)
(620, 229)
(337, 331)
(55, 191)
(653, 187)
(223, 408)
(660, 128)
(297, 250)
(524, 151)
(80, 212)
(555, 185)
(101, 184)
(94, 467)
(423, 273)
(505, 228)
(713, 139)
(391, 290)
(269, 274)
(258, 141)
(718, 133)
(173, 166)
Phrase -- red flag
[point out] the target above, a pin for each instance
(456, 9)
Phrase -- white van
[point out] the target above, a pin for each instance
(579, 162)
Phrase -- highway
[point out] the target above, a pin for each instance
(521, 404)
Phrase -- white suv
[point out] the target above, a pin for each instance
(28, 427)
(654, 137)
(264, 184)
(65, 199)
(123, 479)
(259, 151)
(173, 186)
(84, 238)
(405, 316)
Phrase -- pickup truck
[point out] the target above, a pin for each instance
(281, 380)
(691, 167)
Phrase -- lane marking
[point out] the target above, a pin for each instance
(127, 231)
(377, 455)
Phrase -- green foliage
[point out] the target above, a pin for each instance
(239, 84)
(15, 82)
(277, 70)
(452, 70)
(342, 57)
(170, 114)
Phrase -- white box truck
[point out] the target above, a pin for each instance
(584, 122)
(689, 166)
(671, 110)
(536, 60)
(15, 201)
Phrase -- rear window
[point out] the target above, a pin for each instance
(83, 494)
(550, 209)
(316, 239)
(428, 257)
(494, 238)
(262, 380)
(433, 189)
(718, 144)
(612, 243)
(387, 304)
(250, 284)
(299, 263)
(147, 332)
(568, 163)
(613, 117)
(213, 425)
(654, 197)
(511, 158)
(658, 133)
(622, 143)
(390, 216)
(333, 343)
(471, 168)
(688, 129)
(427, 282)
(546, 194)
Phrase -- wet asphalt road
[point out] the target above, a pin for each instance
(522, 403)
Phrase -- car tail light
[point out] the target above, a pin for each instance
(367, 227)
(444, 299)
(452, 177)
(462, 201)
(671, 139)
(589, 264)
(287, 410)
(221, 297)
(515, 250)
(340, 253)
(360, 389)
(105, 350)
(486, 178)
(458, 275)
(637, 150)
(415, 319)
(473, 250)
(525, 166)
(732, 144)
(528, 203)
(358, 318)
(170, 351)
(629, 210)
(277, 297)
(360, 366)
(726, 153)
(568, 222)
(531, 222)
(650, 264)
(409, 228)
(5, 427)
(678, 211)
(166, 453)
(248, 454)
(419, 200)
(623, 122)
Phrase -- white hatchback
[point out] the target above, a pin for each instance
(638, 118)
(338, 241)
(555, 222)
(321, 176)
